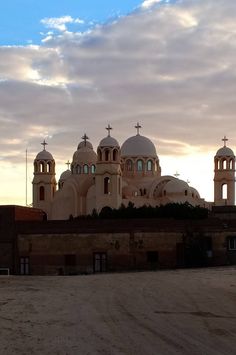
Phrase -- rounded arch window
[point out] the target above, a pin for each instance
(129, 165)
(35, 167)
(99, 155)
(41, 167)
(106, 185)
(49, 167)
(149, 165)
(107, 155)
(115, 154)
(224, 164)
(231, 164)
(139, 165)
(86, 169)
(93, 169)
(78, 169)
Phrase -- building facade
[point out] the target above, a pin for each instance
(110, 177)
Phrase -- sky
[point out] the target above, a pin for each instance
(68, 67)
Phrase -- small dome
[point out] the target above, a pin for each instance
(65, 175)
(84, 154)
(44, 155)
(176, 186)
(109, 142)
(138, 146)
(225, 152)
(84, 144)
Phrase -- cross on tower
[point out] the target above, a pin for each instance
(68, 165)
(109, 128)
(44, 144)
(85, 138)
(138, 126)
(176, 174)
(225, 140)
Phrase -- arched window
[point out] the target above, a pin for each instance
(224, 164)
(48, 167)
(106, 155)
(231, 164)
(149, 165)
(99, 155)
(41, 167)
(115, 154)
(129, 165)
(140, 165)
(186, 192)
(35, 167)
(78, 169)
(216, 164)
(106, 185)
(86, 169)
(41, 193)
(93, 169)
(224, 191)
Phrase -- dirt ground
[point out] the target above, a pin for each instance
(164, 312)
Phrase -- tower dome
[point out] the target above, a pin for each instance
(108, 141)
(225, 152)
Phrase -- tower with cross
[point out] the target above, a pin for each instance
(44, 181)
(224, 176)
(108, 176)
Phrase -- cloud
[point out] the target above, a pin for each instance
(172, 68)
(149, 3)
(59, 23)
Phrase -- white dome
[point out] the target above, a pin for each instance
(138, 146)
(109, 142)
(44, 155)
(65, 175)
(225, 152)
(176, 186)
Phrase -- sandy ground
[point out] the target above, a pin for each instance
(164, 312)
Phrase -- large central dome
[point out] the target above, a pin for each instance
(138, 146)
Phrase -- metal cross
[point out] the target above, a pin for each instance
(85, 138)
(225, 140)
(176, 174)
(109, 128)
(68, 165)
(44, 144)
(138, 126)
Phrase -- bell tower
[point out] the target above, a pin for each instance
(224, 178)
(108, 173)
(44, 182)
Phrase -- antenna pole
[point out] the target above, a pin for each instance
(26, 177)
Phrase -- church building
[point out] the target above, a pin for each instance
(116, 175)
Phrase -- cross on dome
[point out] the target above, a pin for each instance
(68, 165)
(44, 144)
(225, 140)
(109, 128)
(176, 174)
(138, 126)
(85, 138)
